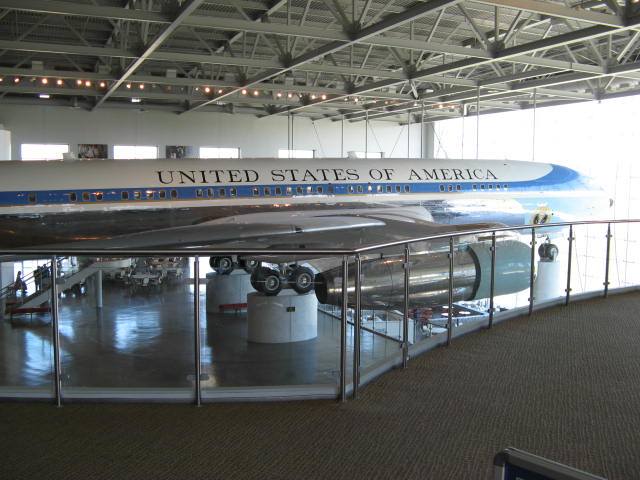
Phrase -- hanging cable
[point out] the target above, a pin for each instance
(315, 129)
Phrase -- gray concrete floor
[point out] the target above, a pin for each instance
(146, 340)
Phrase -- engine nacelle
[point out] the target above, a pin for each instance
(382, 280)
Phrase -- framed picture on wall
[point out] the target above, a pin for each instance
(178, 151)
(92, 150)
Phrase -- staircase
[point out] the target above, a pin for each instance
(63, 283)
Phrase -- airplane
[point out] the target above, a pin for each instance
(267, 202)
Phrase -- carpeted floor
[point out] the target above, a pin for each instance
(564, 384)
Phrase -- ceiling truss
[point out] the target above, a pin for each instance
(397, 60)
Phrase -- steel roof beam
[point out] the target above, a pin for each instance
(157, 41)
(390, 22)
(502, 55)
(557, 10)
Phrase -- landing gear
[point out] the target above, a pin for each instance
(267, 281)
(301, 279)
(221, 265)
(248, 265)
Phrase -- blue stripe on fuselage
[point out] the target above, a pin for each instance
(558, 179)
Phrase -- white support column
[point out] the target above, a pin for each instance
(5, 144)
(428, 140)
(98, 288)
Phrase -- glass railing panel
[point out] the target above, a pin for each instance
(512, 272)
(286, 343)
(126, 328)
(624, 267)
(25, 331)
(551, 263)
(429, 280)
(381, 321)
(589, 258)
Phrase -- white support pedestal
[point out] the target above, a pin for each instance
(287, 317)
(227, 290)
(551, 281)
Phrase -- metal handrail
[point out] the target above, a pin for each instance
(346, 255)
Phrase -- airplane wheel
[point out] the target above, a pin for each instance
(221, 265)
(248, 265)
(301, 279)
(267, 281)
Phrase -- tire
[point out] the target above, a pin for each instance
(221, 265)
(302, 279)
(267, 281)
(248, 265)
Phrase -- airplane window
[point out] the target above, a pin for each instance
(256, 191)
(379, 188)
(124, 195)
(299, 190)
(458, 188)
(289, 190)
(475, 187)
(267, 190)
(136, 195)
(150, 194)
(86, 197)
(309, 190)
(209, 192)
(233, 192)
(498, 187)
(389, 189)
(490, 187)
(350, 188)
(450, 188)
(222, 192)
(407, 188)
(359, 188)
(32, 197)
(442, 188)
(173, 193)
(73, 197)
(330, 189)
(278, 191)
(199, 192)
(505, 186)
(162, 194)
(320, 190)
(369, 188)
(99, 196)
(481, 187)
(398, 188)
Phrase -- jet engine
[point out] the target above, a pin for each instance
(382, 279)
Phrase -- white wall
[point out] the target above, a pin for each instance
(256, 137)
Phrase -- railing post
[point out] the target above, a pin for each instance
(343, 330)
(196, 326)
(356, 327)
(570, 253)
(405, 309)
(450, 312)
(493, 278)
(55, 332)
(606, 269)
(531, 273)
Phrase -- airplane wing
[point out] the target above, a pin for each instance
(315, 229)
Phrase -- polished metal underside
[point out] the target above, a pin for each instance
(395, 60)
